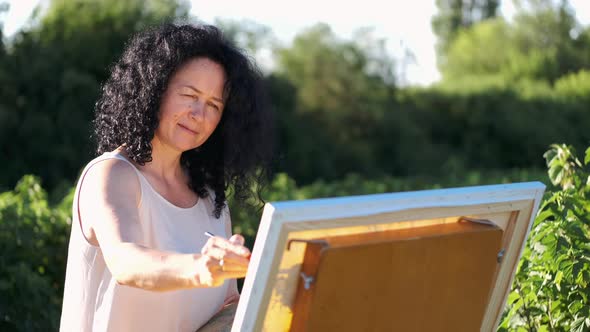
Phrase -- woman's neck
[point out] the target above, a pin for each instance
(165, 162)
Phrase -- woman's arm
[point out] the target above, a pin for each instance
(109, 200)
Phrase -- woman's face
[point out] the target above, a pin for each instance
(192, 105)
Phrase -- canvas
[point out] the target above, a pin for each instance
(376, 228)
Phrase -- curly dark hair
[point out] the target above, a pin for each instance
(237, 153)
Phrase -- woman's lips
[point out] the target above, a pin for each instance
(187, 129)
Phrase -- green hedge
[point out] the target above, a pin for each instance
(550, 289)
(33, 242)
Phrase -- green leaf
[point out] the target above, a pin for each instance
(578, 325)
(557, 280)
(513, 296)
(577, 230)
(562, 243)
(544, 215)
(517, 305)
(577, 269)
(587, 157)
(556, 174)
(550, 155)
(567, 268)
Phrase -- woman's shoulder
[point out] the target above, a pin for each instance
(111, 174)
(111, 164)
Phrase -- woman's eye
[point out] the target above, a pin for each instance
(214, 106)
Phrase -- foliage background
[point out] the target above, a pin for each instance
(510, 89)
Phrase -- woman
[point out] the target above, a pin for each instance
(180, 119)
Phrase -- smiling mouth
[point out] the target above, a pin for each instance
(187, 129)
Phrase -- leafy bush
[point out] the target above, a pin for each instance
(574, 86)
(551, 288)
(246, 217)
(34, 234)
(33, 242)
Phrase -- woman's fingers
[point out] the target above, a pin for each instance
(237, 239)
(227, 256)
(232, 274)
(223, 253)
(212, 273)
(225, 244)
(224, 259)
(232, 266)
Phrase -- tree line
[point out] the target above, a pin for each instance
(509, 90)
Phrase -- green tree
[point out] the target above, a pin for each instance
(341, 88)
(455, 15)
(336, 76)
(3, 9)
(51, 76)
(550, 35)
(543, 43)
(470, 54)
(256, 39)
(246, 34)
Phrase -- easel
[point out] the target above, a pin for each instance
(437, 260)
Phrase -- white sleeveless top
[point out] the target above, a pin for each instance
(94, 301)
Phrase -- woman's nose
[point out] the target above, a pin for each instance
(197, 110)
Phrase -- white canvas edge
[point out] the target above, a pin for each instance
(364, 205)
(276, 214)
(536, 204)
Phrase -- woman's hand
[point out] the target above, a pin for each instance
(222, 259)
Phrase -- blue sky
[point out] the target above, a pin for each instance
(404, 24)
